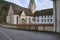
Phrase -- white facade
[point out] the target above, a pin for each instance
(10, 17)
(19, 19)
(44, 19)
(22, 18)
(57, 15)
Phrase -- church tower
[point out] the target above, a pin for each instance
(32, 6)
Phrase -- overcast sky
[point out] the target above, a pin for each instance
(40, 4)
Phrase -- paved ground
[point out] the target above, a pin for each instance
(29, 35)
(3, 37)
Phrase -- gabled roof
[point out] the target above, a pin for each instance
(44, 12)
(18, 10)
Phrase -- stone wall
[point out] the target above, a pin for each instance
(39, 28)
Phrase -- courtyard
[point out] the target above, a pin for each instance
(13, 34)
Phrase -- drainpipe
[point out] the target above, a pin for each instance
(55, 16)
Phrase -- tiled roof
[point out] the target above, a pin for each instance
(44, 12)
(18, 10)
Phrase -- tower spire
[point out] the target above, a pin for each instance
(32, 6)
(32, 1)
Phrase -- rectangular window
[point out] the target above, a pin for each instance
(33, 19)
(44, 20)
(48, 16)
(17, 19)
(51, 16)
(47, 20)
(38, 20)
(42, 16)
(50, 20)
(45, 16)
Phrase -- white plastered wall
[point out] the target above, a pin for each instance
(57, 8)
(10, 16)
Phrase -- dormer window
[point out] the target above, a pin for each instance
(41, 16)
(44, 16)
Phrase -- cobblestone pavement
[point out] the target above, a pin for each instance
(3, 37)
(29, 35)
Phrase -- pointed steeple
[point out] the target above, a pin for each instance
(32, 6)
(32, 1)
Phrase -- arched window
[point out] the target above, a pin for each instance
(17, 19)
(23, 19)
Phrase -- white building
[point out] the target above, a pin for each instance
(44, 19)
(56, 7)
(19, 15)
